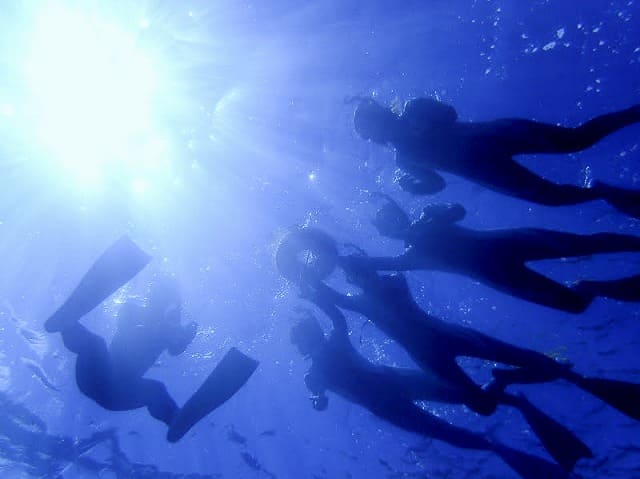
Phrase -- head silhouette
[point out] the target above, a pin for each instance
(306, 253)
(374, 122)
(307, 335)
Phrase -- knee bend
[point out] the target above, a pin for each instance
(160, 404)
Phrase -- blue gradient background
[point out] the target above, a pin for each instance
(264, 141)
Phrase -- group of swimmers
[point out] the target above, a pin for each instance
(427, 138)
(113, 375)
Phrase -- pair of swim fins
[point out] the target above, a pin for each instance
(112, 270)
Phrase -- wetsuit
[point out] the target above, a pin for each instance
(498, 258)
(113, 377)
(483, 152)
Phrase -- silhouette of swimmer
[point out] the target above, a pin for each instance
(432, 343)
(389, 393)
(428, 137)
(498, 258)
(113, 376)
(435, 344)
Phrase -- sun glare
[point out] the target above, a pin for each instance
(93, 91)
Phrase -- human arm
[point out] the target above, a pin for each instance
(316, 379)
(322, 295)
(337, 318)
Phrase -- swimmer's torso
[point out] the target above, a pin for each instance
(465, 149)
(139, 341)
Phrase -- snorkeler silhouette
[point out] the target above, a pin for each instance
(428, 137)
(433, 344)
(389, 393)
(113, 376)
(498, 257)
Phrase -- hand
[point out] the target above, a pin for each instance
(320, 403)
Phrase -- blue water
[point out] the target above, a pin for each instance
(262, 141)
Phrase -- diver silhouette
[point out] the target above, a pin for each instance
(498, 257)
(434, 344)
(113, 376)
(427, 137)
(389, 393)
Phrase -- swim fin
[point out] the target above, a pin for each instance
(231, 373)
(624, 200)
(112, 270)
(521, 375)
(623, 289)
(563, 445)
(622, 395)
(529, 466)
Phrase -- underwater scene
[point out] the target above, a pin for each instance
(331, 239)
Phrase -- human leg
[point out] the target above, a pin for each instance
(532, 244)
(459, 341)
(621, 395)
(95, 373)
(154, 395)
(517, 280)
(94, 370)
(625, 200)
(527, 136)
(495, 144)
(502, 173)
(534, 367)
(444, 366)
(411, 418)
